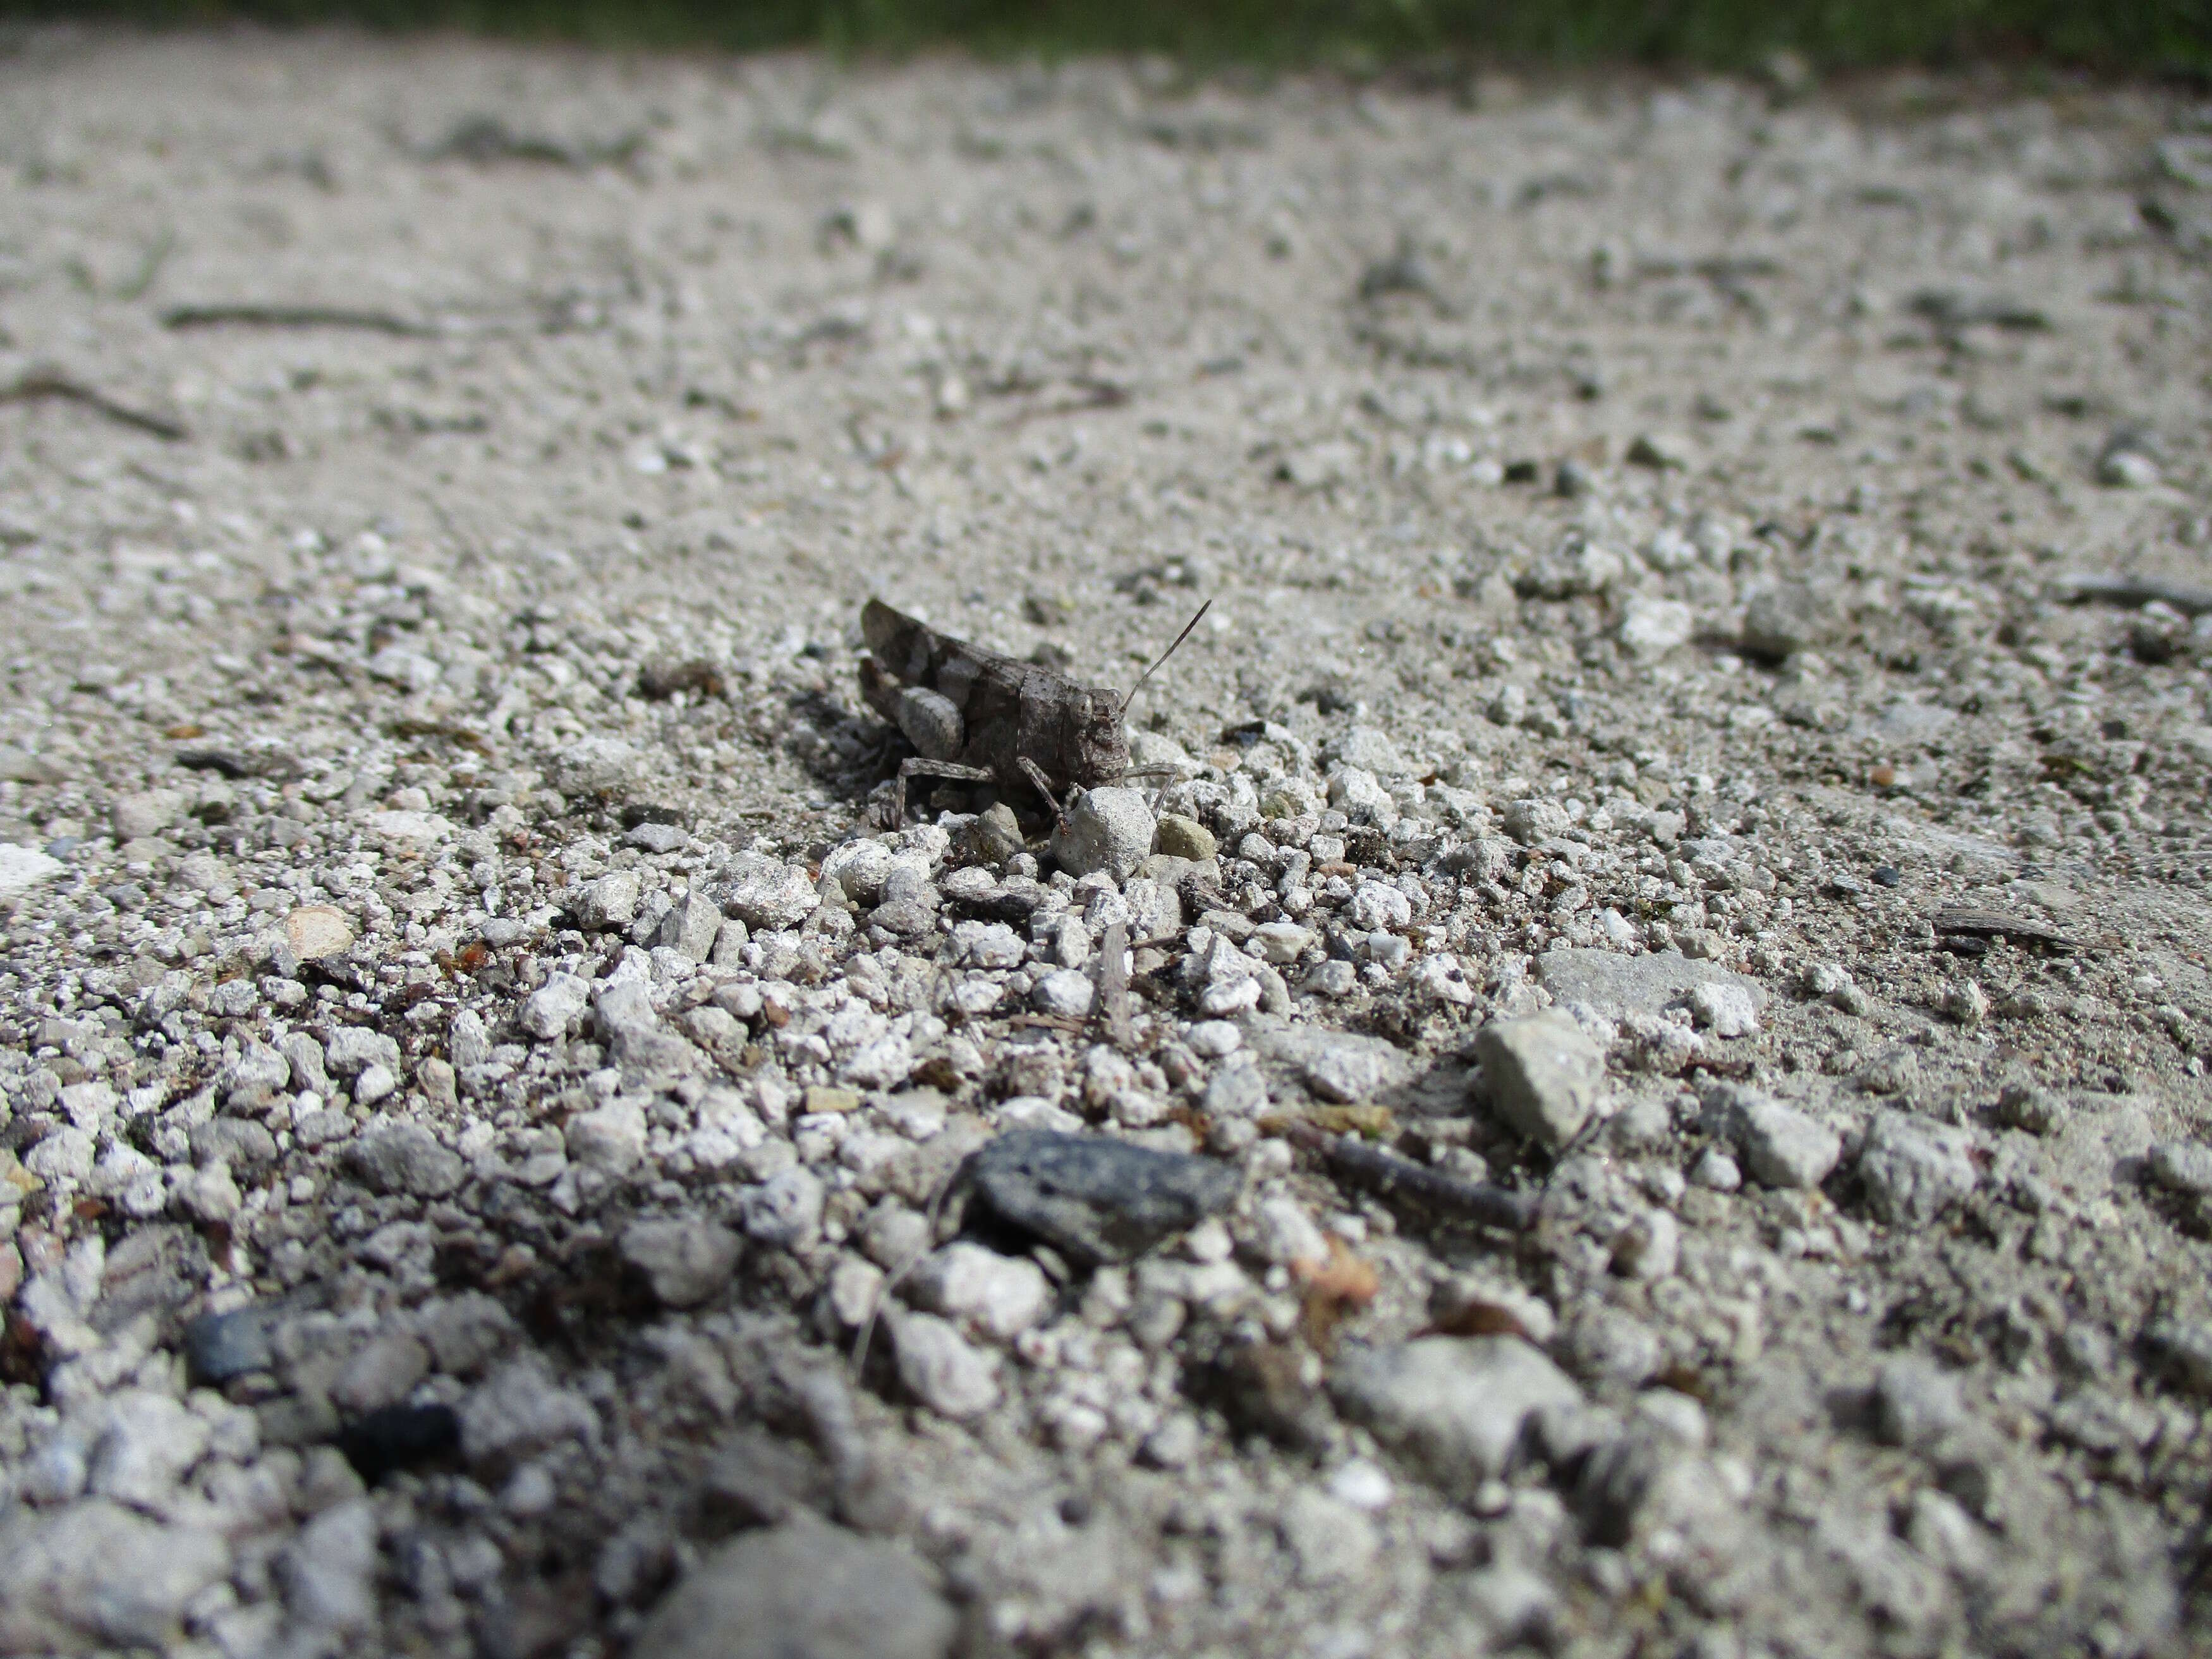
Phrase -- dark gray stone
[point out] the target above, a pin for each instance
(219, 1346)
(1095, 1199)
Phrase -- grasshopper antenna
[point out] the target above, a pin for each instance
(1164, 655)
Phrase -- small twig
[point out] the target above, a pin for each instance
(1095, 394)
(2132, 591)
(1386, 1174)
(1113, 984)
(1049, 1022)
(249, 315)
(49, 383)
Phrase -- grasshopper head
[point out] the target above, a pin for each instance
(1099, 751)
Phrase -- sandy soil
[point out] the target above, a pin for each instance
(438, 486)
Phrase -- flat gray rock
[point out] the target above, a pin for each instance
(1457, 1406)
(1097, 1199)
(1616, 985)
(1347, 1066)
(802, 1590)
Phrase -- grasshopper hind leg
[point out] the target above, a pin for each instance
(918, 767)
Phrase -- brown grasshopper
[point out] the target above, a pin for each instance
(976, 716)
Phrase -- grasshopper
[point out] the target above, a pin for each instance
(976, 716)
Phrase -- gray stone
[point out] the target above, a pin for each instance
(1180, 837)
(1369, 749)
(1457, 1407)
(1786, 619)
(381, 1372)
(95, 1575)
(690, 926)
(238, 1142)
(1541, 1073)
(56, 1472)
(999, 1296)
(941, 1368)
(519, 1410)
(146, 1444)
(328, 1573)
(2181, 1166)
(1915, 1402)
(1780, 1145)
(464, 1332)
(653, 836)
(468, 1041)
(258, 1070)
(1717, 1171)
(684, 1260)
(1095, 1199)
(1618, 985)
(305, 1056)
(2037, 1111)
(547, 1011)
(352, 1049)
(1377, 906)
(1109, 830)
(1894, 1071)
(785, 1210)
(1533, 819)
(23, 867)
(405, 1157)
(65, 1155)
(1329, 1539)
(858, 868)
(1066, 992)
(996, 834)
(624, 1003)
(207, 1194)
(766, 893)
(219, 1346)
(373, 1082)
(904, 918)
(1282, 942)
(609, 1138)
(593, 766)
(609, 901)
(1347, 1066)
(802, 1590)
(147, 813)
(1913, 1168)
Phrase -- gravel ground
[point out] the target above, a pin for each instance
(1659, 1107)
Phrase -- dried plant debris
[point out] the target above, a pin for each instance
(258, 314)
(46, 384)
(1612, 1057)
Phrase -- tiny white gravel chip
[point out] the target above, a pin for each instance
(317, 931)
(1065, 992)
(942, 1369)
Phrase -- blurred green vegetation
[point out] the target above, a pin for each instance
(2126, 35)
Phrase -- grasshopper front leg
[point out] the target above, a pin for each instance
(1034, 773)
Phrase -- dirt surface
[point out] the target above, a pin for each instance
(483, 1128)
